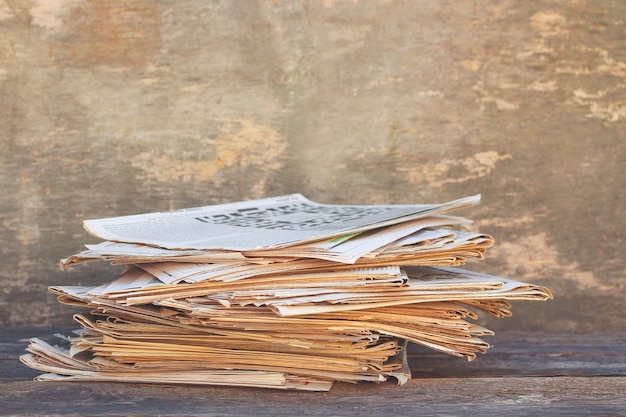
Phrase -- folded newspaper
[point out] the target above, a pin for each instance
(279, 293)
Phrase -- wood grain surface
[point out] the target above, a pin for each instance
(523, 375)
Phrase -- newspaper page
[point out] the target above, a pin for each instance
(258, 224)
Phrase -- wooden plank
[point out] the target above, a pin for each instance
(13, 343)
(524, 374)
(530, 354)
(559, 396)
(512, 354)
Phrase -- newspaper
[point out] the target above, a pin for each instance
(278, 293)
(411, 303)
(60, 365)
(258, 224)
(427, 244)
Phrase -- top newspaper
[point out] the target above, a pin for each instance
(259, 224)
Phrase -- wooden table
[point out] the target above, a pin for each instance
(522, 374)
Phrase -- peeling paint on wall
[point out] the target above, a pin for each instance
(439, 173)
(543, 86)
(488, 97)
(549, 23)
(46, 13)
(240, 144)
(5, 11)
(611, 111)
(533, 259)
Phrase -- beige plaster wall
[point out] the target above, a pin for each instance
(119, 107)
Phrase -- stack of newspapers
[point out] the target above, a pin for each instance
(279, 293)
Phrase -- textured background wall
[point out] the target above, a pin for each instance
(119, 107)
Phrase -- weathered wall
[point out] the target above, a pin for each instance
(119, 107)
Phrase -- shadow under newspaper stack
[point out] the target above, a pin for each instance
(279, 293)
